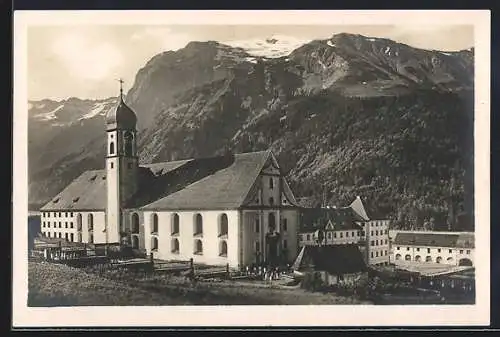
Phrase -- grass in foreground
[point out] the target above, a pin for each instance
(60, 285)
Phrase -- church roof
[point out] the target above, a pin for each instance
(224, 188)
(121, 117)
(220, 182)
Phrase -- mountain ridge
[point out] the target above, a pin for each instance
(332, 114)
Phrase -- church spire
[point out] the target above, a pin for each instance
(121, 88)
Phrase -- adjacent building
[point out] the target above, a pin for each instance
(234, 209)
(336, 264)
(346, 226)
(452, 248)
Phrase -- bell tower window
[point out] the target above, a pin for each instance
(128, 137)
(112, 148)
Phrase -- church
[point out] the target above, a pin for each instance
(234, 209)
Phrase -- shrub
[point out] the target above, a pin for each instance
(313, 282)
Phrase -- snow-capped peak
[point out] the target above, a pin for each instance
(271, 47)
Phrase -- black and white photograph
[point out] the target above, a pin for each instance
(328, 161)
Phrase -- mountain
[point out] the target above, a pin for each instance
(346, 116)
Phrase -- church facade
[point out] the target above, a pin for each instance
(234, 209)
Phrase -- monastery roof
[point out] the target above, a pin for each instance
(319, 218)
(342, 259)
(221, 182)
(434, 239)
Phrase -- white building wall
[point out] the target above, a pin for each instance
(376, 231)
(210, 237)
(449, 255)
(58, 224)
(377, 241)
(291, 232)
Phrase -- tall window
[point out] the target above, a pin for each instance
(271, 201)
(223, 225)
(257, 226)
(175, 224)
(91, 238)
(135, 223)
(79, 237)
(198, 247)
(174, 244)
(198, 224)
(271, 183)
(271, 222)
(90, 221)
(154, 243)
(154, 223)
(223, 248)
(112, 148)
(128, 143)
(285, 224)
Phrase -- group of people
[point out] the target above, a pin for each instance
(266, 273)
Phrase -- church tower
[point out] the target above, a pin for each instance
(121, 165)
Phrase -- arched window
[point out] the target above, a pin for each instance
(79, 237)
(450, 260)
(271, 222)
(223, 248)
(90, 221)
(175, 224)
(198, 247)
(465, 262)
(135, 223)
(135, 241)
(271, 183)
(439, 259)
(154, 243)
(174, 244)
(407, 257)
(198, 224)
(223, 224)
(91, 238)
(418, 258)
(428, 259)
(154, 223)
(79, 223)
(112, 148)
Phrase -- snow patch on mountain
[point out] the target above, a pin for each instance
(97, 109)
(272, 47)
(330, 43)
(51, 115)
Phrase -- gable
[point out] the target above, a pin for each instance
(271, 166)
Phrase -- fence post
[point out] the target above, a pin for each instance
(227, 271)
(191, 268)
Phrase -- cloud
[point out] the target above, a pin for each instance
(86, 58)
(163, 37)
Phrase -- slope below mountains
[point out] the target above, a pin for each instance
(346, 116)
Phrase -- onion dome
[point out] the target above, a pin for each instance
(121, 117)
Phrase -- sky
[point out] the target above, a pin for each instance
(85, 61)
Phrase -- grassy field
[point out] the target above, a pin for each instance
(60, 285)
